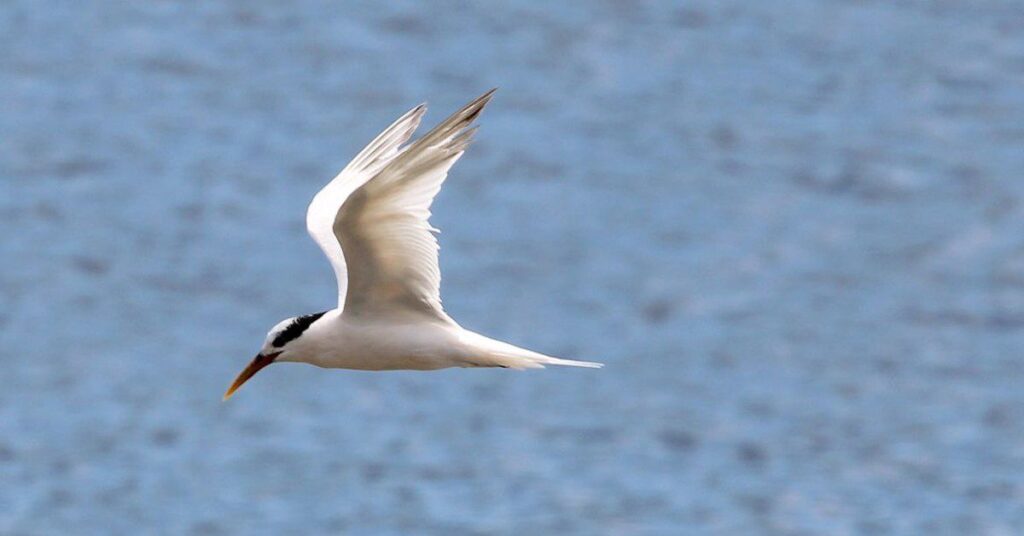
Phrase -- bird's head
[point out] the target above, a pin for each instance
(280, 340)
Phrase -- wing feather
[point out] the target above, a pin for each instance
(383, 227)
(324, 207)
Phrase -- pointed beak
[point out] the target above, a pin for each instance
(250, 370)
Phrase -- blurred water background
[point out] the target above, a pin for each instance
(793, 230)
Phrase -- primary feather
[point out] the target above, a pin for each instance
(324, 207)
(383, 226)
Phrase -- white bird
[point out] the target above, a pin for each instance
(371, 221)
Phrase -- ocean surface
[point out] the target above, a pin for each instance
(793, 231)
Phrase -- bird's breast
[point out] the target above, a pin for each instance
(385, 346)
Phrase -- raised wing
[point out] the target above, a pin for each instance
(327, 202)
(383, 226)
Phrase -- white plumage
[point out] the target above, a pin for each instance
(372, 223)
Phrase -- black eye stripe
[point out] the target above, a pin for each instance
(295, 329)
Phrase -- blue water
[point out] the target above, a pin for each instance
(794, 231)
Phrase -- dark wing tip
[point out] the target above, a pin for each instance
(470, 112)
(486, 97)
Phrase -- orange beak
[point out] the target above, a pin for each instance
(250, 370)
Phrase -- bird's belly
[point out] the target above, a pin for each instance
(382, 361)
(391, 348)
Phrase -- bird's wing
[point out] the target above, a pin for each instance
(383, 228)
(328, 201)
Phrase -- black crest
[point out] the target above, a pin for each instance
(295, 329)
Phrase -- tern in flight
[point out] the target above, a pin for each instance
(372, 223)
